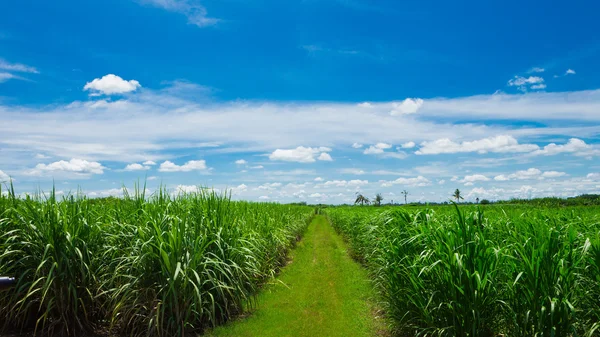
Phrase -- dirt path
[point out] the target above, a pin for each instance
(323, 292)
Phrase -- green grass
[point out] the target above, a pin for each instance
(323, 292)
(489, 271)
(159, 265)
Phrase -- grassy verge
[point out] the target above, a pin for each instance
(323, 292)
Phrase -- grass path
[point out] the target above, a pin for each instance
(323, 292)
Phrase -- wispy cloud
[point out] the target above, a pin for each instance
(195, 12)
(17, 67)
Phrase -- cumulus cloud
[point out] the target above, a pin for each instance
(256, 167)
(497, 144)
(520, 81)
(538, 86)
(318, 179)
(241, 162)
(149, 163)
(531, 173)
(471, 179)
(377, 148)
(536, 70)
(301, 154)
(77, 166)
(357, 145)
(239, 189)
(192, 165)
(111, 84)
(417, 181)
(187, 189)
(344, 183)
(136, 167)
(325, 157)
(264, 197)
(408, 145)
(269, 186)
(570, 72)
(408, 106)
(574, 145)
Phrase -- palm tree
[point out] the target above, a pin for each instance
(457, 195)
(378, 199)
(361, 199)
(405, 192)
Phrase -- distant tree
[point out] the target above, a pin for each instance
(477, 200)
(457, 195)
(405, 193)
(484, 202)
(378, 199)
(361, 199)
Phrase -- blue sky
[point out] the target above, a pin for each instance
(305, 100)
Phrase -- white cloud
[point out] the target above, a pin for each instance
(192, 165)
(269, 186)
(134, 130)
(17, 67)
(316, 195)
(187, 189)
(408, 145)
(318, 179)
(325, 157)
(574, 145)
(4, 177)
(470, 179)
(257, 167)
(570, 72)
(441, 182)
(538, 86)
(553, 174)
(344, 183)
(241, 162)
(264, 197)
(365, 105)
(152, 178)
(239, 189)
(75, 165)
(377, 148)
(531, 173)
(7, 76)
(352, 171)
(357, 145)
(497, 144)
(149, 163)
(136, 167)
(593, 176)
(111, 84)
(192, 9)
(41, 156)
(301, 154)
(408, 106)
(521, 81)
(536, 70)
(418, 181)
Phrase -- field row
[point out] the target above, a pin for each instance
(161, 265)
(518, 271)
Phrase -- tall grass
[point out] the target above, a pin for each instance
(158, 265)
(450, 272)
